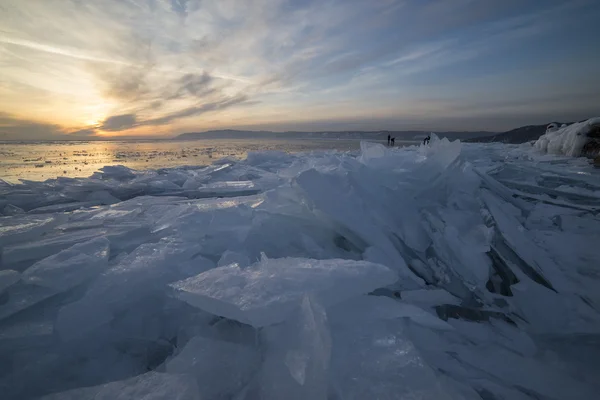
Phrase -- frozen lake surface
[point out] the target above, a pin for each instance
(449, 271)
(44, 160)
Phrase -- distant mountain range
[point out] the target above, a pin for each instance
(371, 135)
(516, 136)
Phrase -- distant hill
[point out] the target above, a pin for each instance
(516, 136)
(370, 135)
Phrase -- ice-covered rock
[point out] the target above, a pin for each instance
(553, 127)
(570, 140)
(591, 149)
(264, 293)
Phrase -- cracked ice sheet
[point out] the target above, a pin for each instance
(220, 368)
(506, 217)
(69, 267)
(8, 278)
(500, 359)
(21, 297)
(150, 386)
(325, 191)
(264, 293)
(297, 356)
(25, 227)
(576, 256)
(55, 274)
(123, 236)
(373, 356)
(142, 274)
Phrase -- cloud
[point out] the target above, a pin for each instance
(57, 50)
(126, 83)
(84, 132)
(130, 80)
(156, 104)
(194, 84)
(124, 122)
(15, 128)
(190, 85)
(119, 123)
(197, 110)
(179, 7)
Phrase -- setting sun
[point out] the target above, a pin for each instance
(93, 122)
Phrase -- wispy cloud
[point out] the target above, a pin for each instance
(416, 54)
(72, 53)
(179, 7)
(128, 83)
(128, 64)
(196, 85)
(197, 110)
(125, 122)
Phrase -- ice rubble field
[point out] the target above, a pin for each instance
(444, 272)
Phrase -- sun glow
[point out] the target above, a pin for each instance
(93, 122)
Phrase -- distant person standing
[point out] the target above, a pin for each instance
(393, 140)
(389, 139)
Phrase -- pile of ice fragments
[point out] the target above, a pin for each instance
(581, 139)
(446, 271)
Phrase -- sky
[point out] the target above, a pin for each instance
(108, 68)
